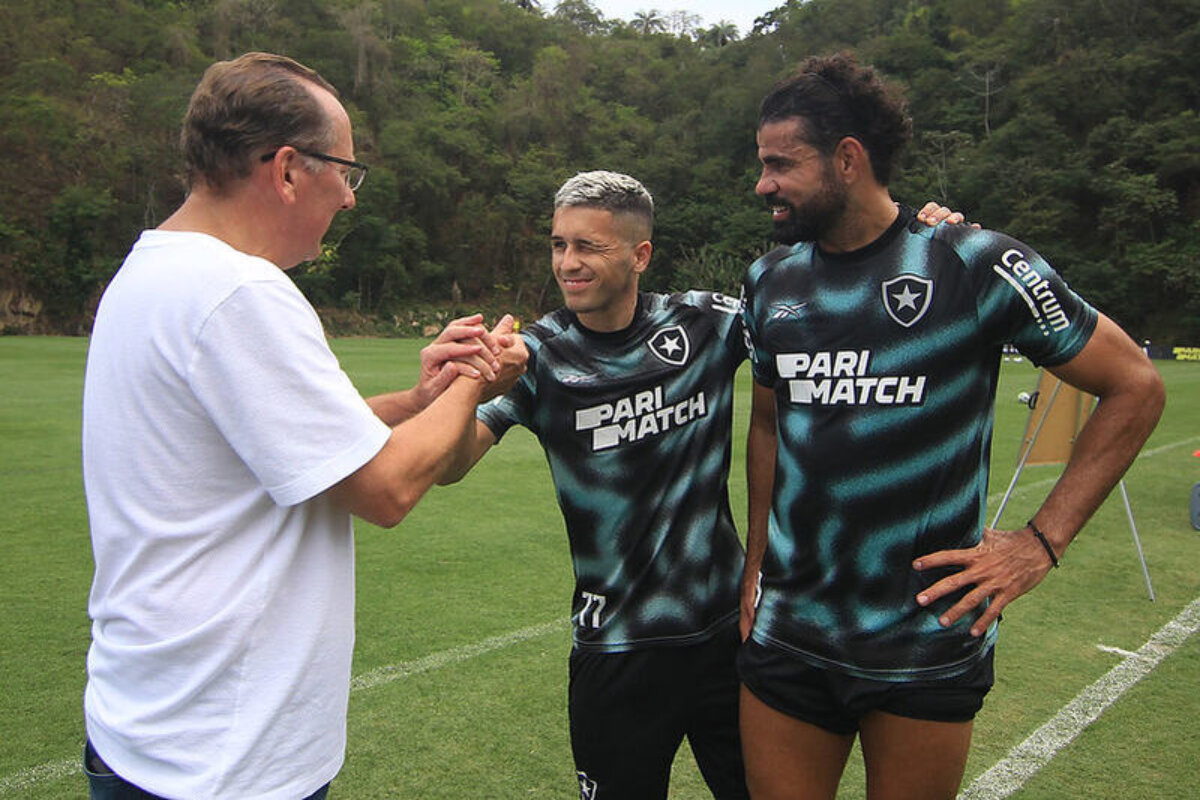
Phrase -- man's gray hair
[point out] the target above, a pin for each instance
(606, 190)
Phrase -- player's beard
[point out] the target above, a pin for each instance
(814, 217)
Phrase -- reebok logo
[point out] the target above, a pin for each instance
(781, 311)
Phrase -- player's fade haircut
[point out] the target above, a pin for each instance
(610, 191)
(243, 109)
(837, 97)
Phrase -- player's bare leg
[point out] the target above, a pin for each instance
(787, 759)
(907, 759)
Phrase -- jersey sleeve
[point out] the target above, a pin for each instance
(763, 367)
(1023, 301)
(725, 311)
(264, 372)
(732, 326)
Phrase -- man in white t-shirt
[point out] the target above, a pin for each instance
(224, 452)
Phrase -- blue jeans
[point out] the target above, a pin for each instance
(107, 785)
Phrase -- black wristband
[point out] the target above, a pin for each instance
(1041, 537)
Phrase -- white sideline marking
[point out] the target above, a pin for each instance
(20, 782)
(1166, 447)
(392, 672)
(1103, 648)
(1046, 482)
(1027, 758)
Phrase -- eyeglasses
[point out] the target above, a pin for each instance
(354, 175)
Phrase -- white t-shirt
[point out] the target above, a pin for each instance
(214, 415)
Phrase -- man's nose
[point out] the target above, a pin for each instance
(765, 185)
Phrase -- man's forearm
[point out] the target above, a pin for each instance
(416, 456)
(1104, 449)
(760, 480)
(761, 448)
(471, 448)
(396, 407)
(1112, 367)
(440, 433)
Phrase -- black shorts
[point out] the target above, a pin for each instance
(836, 701)
(631, 711)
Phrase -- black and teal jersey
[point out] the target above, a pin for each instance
(884, 365)
(636, 429)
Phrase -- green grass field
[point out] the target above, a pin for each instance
(460, 670)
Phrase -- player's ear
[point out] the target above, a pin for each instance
(641, 255)
(851, 159)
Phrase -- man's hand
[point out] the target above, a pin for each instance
(932, 214)
(496, 358)
(464, 347)
(751, 593)
(512, 356)
(1003, 566)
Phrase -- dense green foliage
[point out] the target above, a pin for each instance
(1071, 124)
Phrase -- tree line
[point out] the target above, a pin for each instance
(1071, 124)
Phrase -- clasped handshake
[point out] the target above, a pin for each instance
(466, 347)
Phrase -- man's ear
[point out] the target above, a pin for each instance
(641, 256)
(283, 172)
(852, 161)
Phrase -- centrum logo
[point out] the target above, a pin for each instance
(671, 345)
(906, 298)
(1035, 290)
(633, 418)
(726, 304)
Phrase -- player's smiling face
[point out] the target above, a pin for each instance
(597, 259)
(797, 183)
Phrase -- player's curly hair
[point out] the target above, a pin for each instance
(836, 96)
